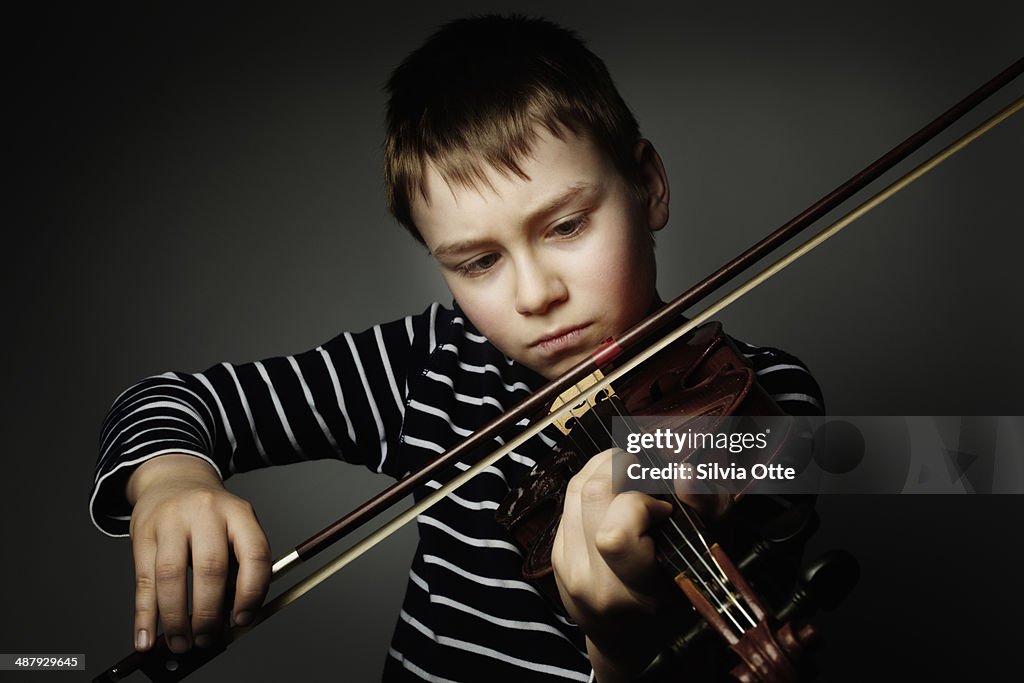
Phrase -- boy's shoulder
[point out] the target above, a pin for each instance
(785, 377)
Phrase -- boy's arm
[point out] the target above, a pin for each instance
(169, 441)
(344, 399)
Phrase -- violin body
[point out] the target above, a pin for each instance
(702, 376)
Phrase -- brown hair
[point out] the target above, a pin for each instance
(472, 95)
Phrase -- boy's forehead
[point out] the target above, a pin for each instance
(555, 171)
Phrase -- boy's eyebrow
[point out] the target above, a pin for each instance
(562, 200)
(567, 197)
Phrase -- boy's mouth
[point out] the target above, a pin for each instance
(560, 340)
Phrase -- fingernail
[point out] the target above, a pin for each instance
(243, 618)
(142, 639)
(203, 640)
(178, 644)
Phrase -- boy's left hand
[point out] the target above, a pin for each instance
(607, 575)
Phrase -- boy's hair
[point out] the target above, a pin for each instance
(472, 95)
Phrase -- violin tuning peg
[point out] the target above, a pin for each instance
(832, 577)
(824, 584)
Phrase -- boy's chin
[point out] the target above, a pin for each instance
(554, 370)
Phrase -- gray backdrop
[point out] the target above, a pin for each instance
(203, 184)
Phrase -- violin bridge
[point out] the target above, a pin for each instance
(576, 407)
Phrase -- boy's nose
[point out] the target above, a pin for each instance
(538, 289)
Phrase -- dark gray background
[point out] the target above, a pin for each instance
(196, 184)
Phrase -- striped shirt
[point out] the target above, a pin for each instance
(391, 398)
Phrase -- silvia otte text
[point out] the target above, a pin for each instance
(709, 472)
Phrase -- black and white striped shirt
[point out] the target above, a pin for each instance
(391, 398)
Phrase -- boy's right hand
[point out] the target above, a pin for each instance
(183, 516)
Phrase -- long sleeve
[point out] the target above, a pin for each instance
(786, 379)
(344, 399)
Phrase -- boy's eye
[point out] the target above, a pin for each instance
(479, 265)
(570, 227)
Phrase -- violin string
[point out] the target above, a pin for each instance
(668, 557)
(673, 546)
(653, 461)
(716, 579)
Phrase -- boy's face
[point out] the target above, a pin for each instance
(549, 267)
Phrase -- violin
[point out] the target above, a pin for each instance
(774, 651)
(700, 379)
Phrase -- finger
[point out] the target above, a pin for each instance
(595, 494)
(709, 500)
(598, 463)
(254, 566)
(621, 481)
(144, 556)
(171, 572)
(209, 577)
(624, 540)
(587, 495)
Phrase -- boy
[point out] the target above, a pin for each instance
(511, 156)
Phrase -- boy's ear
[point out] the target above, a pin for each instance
(654, 182)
